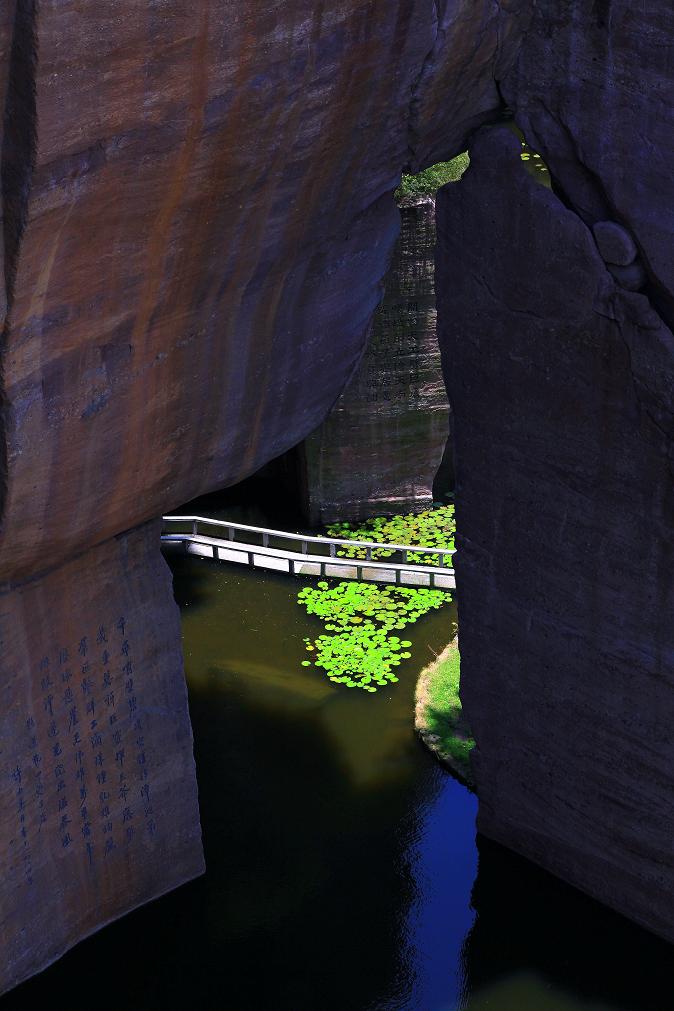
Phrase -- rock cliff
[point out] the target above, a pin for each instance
(197, 214)
(561, 378)
(379, 449)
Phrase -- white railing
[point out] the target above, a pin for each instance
(307, 554)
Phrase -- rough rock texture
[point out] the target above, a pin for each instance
(474, 47)
(379, 449)
(98, 803)
(592, 89)
(197, 213)
(194, 219)
(615, 243)
(633, 278)
(562, 386)
(590, 602)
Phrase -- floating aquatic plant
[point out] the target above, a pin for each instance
(363, 650)
(433, 528)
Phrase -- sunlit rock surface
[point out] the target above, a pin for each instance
(379, 449)
(562, 385)
(205, 230)
(197, 214)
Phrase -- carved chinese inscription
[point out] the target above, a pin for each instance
(97, 787)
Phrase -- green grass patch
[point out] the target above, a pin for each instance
(439, 717)
(427, 183)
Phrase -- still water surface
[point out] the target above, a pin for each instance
(342, 862)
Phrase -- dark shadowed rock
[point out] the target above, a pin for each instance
(615, 243)
(632, 278)
(592, 88)
(562, 387)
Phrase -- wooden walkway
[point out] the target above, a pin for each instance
(302, 555)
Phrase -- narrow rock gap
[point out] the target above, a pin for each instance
(16, 169)
(19, 136)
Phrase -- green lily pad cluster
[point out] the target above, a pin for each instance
(362, 650)
(431, 528)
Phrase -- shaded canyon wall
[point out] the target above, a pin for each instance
(379, 449)
(555, 310)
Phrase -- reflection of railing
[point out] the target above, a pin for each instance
(302, 554)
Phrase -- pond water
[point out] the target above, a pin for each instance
(343, 871)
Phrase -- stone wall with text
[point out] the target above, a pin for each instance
(98, 797)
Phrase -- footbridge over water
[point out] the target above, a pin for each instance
(304, 555)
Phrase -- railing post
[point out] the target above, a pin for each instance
(403, 555)
(359, 573)
(368, 554)
(291, 566)
(265, 540)
(251, 559)
(195, 527)
(230, 533)
(305, 547)
(333, 550)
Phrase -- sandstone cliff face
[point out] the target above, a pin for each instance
(562, 386)
(561, 375)
(98, 793)
(193, 219)
(379, 449)
(197, 214)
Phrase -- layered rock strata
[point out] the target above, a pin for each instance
(379, 449)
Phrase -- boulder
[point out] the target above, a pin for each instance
(615, 243)
(632, 278)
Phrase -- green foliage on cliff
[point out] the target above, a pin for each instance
(427, 183)
(433, 528)
(362, 649)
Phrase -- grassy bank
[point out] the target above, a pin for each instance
(439, 717)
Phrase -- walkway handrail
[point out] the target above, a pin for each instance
(306, 539)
